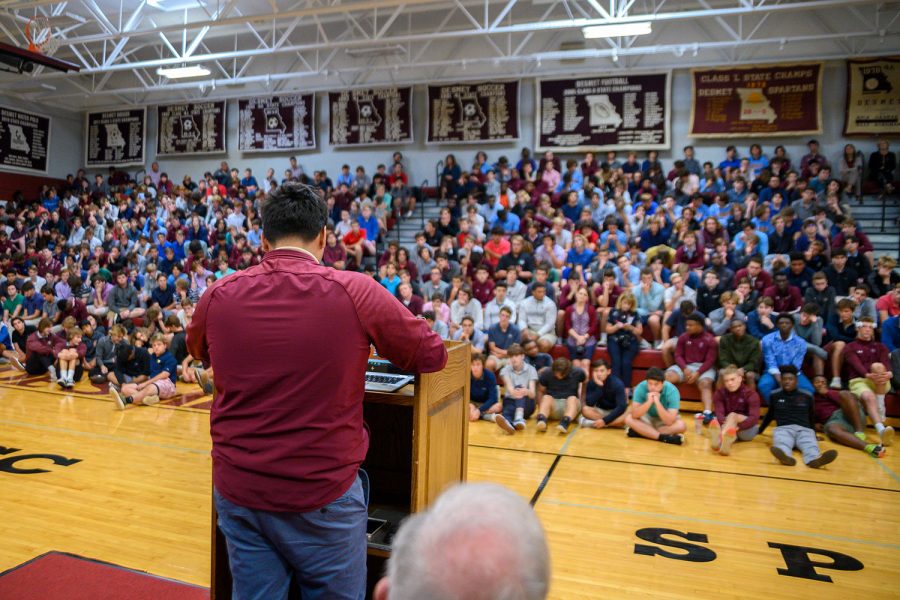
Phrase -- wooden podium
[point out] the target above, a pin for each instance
(418, 445)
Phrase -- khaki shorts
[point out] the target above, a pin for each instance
(558, 411)
(859, 385)
(550, 338)
(654, 422)
(707, 374)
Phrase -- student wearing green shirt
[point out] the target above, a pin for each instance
(13, 304)
(654, 410)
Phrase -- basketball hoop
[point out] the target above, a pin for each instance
(40, 36)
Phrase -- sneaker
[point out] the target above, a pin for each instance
(645, 345)
(541, 425)
(826, 457)
(835, 383)
(728, 439)
(671, 439)
(887, 436)
(632, 433)
(408, 214)
(877, 451)
(150, 400)
(785, 459)
(562, 429)
(117, 397)
(503, 424)
(63, 383)
(17, 363)
(70, 384)
(519, 424)
(708, 418)
(715, 435)
(602, 341)
(583, 422)
(657, 344)
(204, 381)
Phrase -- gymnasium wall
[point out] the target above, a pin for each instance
(67, 147)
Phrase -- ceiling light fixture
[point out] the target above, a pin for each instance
(616, 30)
(183, 72)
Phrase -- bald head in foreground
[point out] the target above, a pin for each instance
(477, 542)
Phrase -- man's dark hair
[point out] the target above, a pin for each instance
(785, 317)
(294, 209)
(788, 370)
(656, 374)
(696, 318)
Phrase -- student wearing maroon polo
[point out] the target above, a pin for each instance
(787, 298)
(759, 279)
(737, 412)
(867, 364)
(841, 418)
(287, 422)
(695, 359)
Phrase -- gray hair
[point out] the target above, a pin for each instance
(477, 541)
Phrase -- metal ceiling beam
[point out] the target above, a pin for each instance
(468, 33)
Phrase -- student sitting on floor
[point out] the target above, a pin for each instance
(793, 409)
(867, 363)
(605, 402)
(842, 418)
(520, 388)
(10, 352)
(39, 351)
(737, 412)
(132, 365)
(559, 391)
(654, 410)
(105, 354)
(70, 356)
(159, 386)
(482, 391)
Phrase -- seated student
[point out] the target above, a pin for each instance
(580, 326)
(654, 410)
(520, 388)
(842, 418)
(809, 327)
(888, 305)
(10, 352)
(39, 357)
(482, 391)
(868, 370)
(70, 356)
(673, 327)
(559, 394)
(719, 320)
(839, 274)
(785, 297)
(467, 332)
(177, 340)
(32, 304)
(695, 360)
(105, 354)
(742, 350)
(159, 386)
(499, 338)
(499, 300)
(132, 363)
(465, 305)
(533, 355)
(605, 402)
(792, 408)
(649, 296)
(760, 322)
(780, 348)
(709, 293)
(737, 412)
(841, 329)
(821, 294)
(537, 318)
(19, 337)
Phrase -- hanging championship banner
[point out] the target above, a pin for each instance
(873, 96)
(473, 112)
(604, 113)
(763, 100)
(24, 140)
(365, 117)
(195, 128)
(115, 137)
(277, 123)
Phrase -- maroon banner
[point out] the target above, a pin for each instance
(276, 123)
(195, 128)
(758, 100)
(617, 112)
(115, 137)
(473, 112)
(24, 140)
(367, 117)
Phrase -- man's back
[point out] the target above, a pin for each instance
(289, 340)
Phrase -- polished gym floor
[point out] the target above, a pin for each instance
(624, 517)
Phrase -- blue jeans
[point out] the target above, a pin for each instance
(767, 384)
(324, 549)
(510, 405)
(622, 358)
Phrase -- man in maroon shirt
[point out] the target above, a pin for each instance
(695, 359)
(289, 341)
(787, 298)
(759, 279)
(867, 366)
(737, 412)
